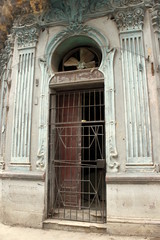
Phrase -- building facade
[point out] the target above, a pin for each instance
(80, 118)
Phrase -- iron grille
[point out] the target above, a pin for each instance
(77, 164)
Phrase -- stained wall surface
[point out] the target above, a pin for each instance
(128, 38)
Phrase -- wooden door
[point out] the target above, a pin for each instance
(68, 152)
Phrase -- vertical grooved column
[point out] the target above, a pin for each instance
(23, 107)
(135, 85)
(138, 130)
(27, 37)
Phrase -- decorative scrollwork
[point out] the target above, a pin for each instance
(40, 158)
(124, 3)
(6, 52)
(113, 163)
(130, 19)
(75, 11)
(156, 18)
(25, 20)
(26, 28)
(111, 149)
(27, 36)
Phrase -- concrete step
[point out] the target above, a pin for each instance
(74, 226)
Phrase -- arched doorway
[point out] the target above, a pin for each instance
(77, 134)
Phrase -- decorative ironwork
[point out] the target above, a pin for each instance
(77, 157)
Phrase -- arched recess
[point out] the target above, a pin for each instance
(58, 46)
(70, 38)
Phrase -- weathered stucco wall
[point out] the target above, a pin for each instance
(132, 187)
(133, 205)
(22, 202)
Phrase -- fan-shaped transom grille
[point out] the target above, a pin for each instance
(80, 58)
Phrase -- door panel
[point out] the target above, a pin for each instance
(68, 153)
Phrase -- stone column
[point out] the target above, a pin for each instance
(21, 133)
(5, 84)
(137, 115)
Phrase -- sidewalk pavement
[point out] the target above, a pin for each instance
(19, 233)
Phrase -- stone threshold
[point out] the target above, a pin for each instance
(120, 227)
(57, 224)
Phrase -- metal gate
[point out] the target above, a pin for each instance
(77, 164)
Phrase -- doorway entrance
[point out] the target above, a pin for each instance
(77, 155)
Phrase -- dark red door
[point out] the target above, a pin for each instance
(68, 152)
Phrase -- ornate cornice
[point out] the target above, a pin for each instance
(130, 19)
(75, 10)
(78, 11)
(64, 12)
(82, 10)
(128, 14)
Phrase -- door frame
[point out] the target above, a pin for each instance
(98, 167)
(106, 68)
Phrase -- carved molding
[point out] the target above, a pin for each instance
(155, 15)
(27, 29)
(126, 3)
(110, 118)
(43, 130)
(78, 76)
(26, 20)
(77, 12)
(27, 36)
(6, 53)
(74, 10)
(130, 19)
(40, 164)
